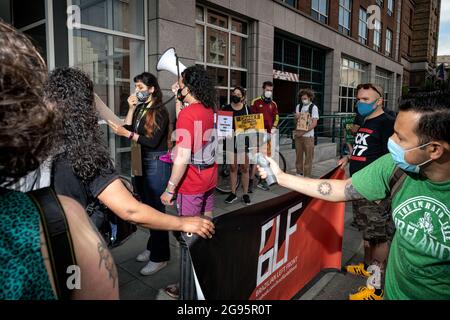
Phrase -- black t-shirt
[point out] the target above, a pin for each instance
(371, 141)
(66, 183)
(237, 113)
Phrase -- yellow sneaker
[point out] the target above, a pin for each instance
(357, 269)
(365, 293)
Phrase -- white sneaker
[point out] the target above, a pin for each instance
(144, 256)
(299, 174)
(153, 267)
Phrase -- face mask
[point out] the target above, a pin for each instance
(305, 102)
(235, 99)
(268, 94)
(142, 96)
(366, 109)
(398, 155)
(180, 96)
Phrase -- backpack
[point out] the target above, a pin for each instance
(59, 241)
(395, 183)
(205, 157)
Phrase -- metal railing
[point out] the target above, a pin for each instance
(329, 129)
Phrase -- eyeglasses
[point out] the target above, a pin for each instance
(367, 86)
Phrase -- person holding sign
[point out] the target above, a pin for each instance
(239, 108)
(306, 117)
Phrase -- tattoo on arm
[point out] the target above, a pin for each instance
(325, 188)
(105, 256)
(351, 193)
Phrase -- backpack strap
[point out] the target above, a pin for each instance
(395, 183)
(57, 235)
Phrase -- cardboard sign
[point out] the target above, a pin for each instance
(304, 121)
(251, 121)
(224, 124)
(136, 159)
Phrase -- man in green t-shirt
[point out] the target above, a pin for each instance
(419, 259)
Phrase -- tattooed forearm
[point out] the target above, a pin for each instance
(105, 256)
(325, 188)
(351, 193)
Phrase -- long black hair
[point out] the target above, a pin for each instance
(72, 91)
(200, 85)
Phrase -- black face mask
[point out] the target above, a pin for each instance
(235, 99)
(180, 96)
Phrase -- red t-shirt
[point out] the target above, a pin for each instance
(193, 121)
(269, 111)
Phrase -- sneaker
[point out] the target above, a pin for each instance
(153, 267)
(357, 269)
(246, 199)
(231, 198)
(299, 174)
(250, 186)
(365, 293)
(173, 291)
(144, 256)
(263, 185)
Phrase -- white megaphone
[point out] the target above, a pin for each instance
(169, 62)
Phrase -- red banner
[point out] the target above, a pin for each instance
(270, 250)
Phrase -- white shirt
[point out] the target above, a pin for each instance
(314, 115)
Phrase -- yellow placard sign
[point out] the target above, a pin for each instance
(251, 121)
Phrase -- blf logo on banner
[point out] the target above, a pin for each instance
(271, 255)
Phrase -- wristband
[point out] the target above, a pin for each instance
(172, 184)
(169, 193)
(131, 136)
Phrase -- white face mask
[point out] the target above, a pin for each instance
(305, 102)
(268, 94)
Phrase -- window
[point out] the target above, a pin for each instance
(345, 13)
(362, 30)
(377, 36)
(411, 17)
(352, 74)
(380, 3)
(221, 47)
(319, 10)
(292, 3)
(110, 48)
(384, 79)
(390, 7)
(409, 46)
(307, 63)
(388, 42)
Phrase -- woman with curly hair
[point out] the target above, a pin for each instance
(83, 169)
(148, 128)
(194, 184)
(28, 136)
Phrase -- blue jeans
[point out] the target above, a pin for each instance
(150, 186)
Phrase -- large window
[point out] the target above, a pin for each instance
(353, 73)
(305, 63)
(384, 79)
(110, 47)
(319, 10)
(362, 30)
(221, 46)
(292, 3)
(388, 42)
(377, 36)
(390, 7)
(345, 14)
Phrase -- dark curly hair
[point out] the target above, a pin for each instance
(200, 85)
(73, 93)
(28, 126)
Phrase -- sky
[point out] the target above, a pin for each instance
(444, 32)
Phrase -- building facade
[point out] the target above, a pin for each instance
(328, 45)
(419, 40)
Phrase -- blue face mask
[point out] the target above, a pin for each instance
(366, 109)
(398, 154)
(142, 96)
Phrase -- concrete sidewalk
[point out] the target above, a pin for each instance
(134, 286)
